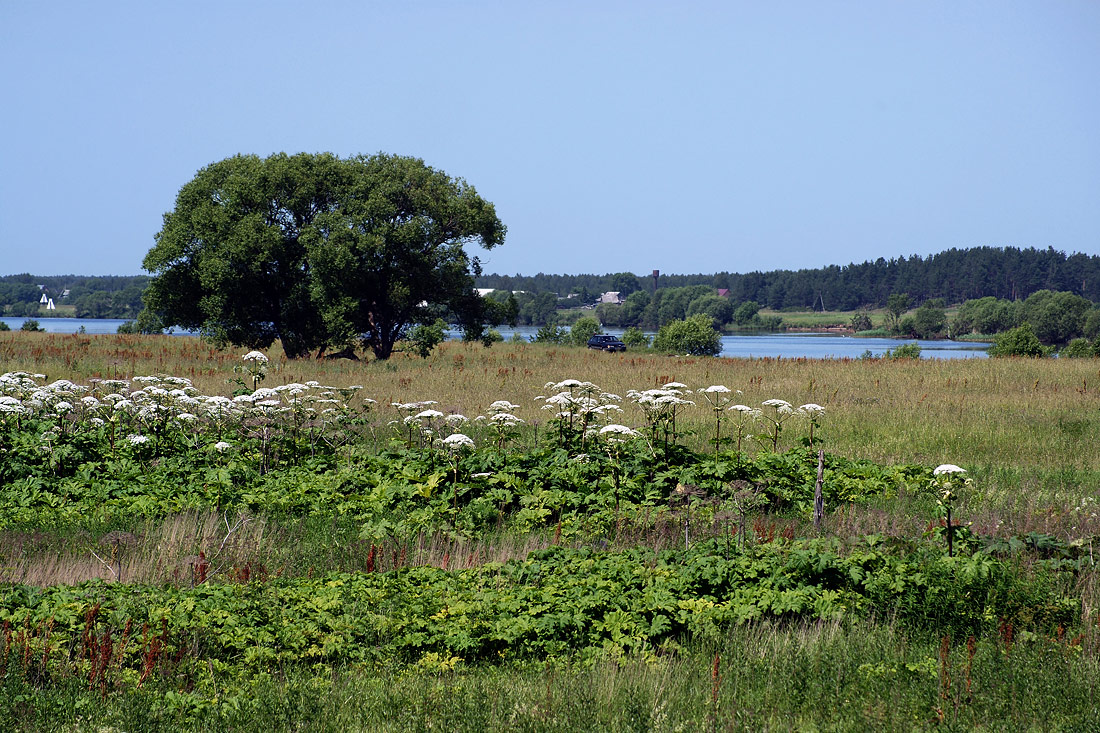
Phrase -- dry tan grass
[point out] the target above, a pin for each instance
(171, 550)
(154, 552)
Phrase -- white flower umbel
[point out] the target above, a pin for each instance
(458, 442)
(618, 433)
(947, 468)
(428, 415)
(577, 406)
(221, 446)
(660, 406)
(137, 439)
(255, 356)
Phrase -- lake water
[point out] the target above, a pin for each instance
(70, 325)
(772, 345)
(814, 345)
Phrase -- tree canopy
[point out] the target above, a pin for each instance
(319, 252)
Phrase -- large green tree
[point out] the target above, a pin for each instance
(319, 251)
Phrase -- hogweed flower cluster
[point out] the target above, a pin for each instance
(502, 421)
(255, 365)
(579, 407)
(660, 406)
(157, 407)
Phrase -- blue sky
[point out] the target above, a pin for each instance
(694, 137)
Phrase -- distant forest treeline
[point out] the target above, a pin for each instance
(955, 275)
(90, 296)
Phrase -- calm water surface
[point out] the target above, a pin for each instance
(816, 345)
(772, 345)
(70, 325)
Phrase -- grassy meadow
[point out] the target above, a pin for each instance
(836, 635)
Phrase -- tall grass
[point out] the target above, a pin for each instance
(759, 678)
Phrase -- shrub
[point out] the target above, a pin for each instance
(695, 336)
(635, 339)
(905, 351)
(1019, 341)
(929, 321)
(585, 328)
(31, 325)
(491, 336)
(1092, 324)
(861, 322)
(746, 312)
(4, 326)
(1081, 348)
(146, 323)
(425, 337)
(551, 333)
(715, 306)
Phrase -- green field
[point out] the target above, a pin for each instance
(315, 556)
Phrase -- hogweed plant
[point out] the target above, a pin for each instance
(456, 444)
(719, 397)
(578, 407)
(812, 413)
(255, 366)
(614, 439)
(659, 407)
(776, 412)
(746, 416)
(947, 481)
(410, 422)
(503, 423)
(171, 415)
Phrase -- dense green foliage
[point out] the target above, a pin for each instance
(1054, 317)
(1081, 348)
(558, 603)
(635, 339)
(694, 335)
(319, 252)
(1019, 341)
(584, 329)
(424, 337)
